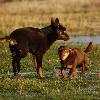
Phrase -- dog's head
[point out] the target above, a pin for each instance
(63, 52)
(59, 29)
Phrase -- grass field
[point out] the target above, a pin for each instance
(81, 17)
(30, 87)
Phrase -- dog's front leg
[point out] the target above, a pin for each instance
(38, 66)
(62, 72)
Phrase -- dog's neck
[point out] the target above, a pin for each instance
(51, 34)
(68, 55)
(46, 30)
(71, 57)
(65, 56)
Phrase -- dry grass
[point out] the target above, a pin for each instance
(79, 16)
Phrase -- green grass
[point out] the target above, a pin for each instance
(31, 87)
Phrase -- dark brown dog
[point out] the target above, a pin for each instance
(36, 41)
(72, 58)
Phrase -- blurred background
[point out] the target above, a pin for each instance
(81, 17)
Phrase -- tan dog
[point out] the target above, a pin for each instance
(72, 58)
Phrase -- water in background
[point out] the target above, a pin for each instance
(85, 39)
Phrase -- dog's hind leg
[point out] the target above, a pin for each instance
(23, 48)
(16, 57)
(84, 67)
(73, 72)
(16, 64)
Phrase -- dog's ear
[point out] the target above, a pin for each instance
(52, 21)
(56, 21)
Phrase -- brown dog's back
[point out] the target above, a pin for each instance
(81, 54)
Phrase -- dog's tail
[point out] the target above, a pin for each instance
(89, 48)
(5, 38)
(8, 38)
